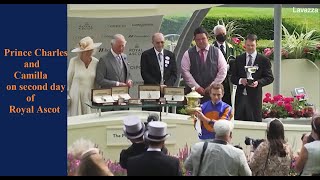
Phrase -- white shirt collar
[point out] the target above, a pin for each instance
(224, 44)
(254, 54)
(154, 149)
(157, 51)
(114, 54)
(207, 48)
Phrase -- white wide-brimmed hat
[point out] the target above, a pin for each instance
(133, 127)
(86, 44)
(157, 131)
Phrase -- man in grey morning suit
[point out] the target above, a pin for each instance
(113, 68)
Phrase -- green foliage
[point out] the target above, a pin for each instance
(299, 44)
(173, 25)
(261, 26)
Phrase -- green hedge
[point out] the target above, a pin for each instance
(262, 27)
(173, 25)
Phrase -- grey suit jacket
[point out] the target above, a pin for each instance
(108, 73)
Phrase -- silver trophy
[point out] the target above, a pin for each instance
(250, 70)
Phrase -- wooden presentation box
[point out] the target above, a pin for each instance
(101, 97)
(174, 94)
(149, 93)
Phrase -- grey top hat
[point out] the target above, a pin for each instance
(157, 131)
(133, 127)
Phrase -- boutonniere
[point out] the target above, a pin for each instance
(166, 63)
(167, 58)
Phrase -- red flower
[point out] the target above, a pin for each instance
(283, 107)
(280, 103)
(268, 95)
(288, 107)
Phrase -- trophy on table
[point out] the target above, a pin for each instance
(250, 70)
(193, 104)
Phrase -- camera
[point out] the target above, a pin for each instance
(254, 142)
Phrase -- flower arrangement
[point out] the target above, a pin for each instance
(303, 45)
(280, 106)
(268, 52)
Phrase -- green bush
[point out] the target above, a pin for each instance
(261, 26)
(173, 25)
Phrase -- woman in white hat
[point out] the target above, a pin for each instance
(81, 75)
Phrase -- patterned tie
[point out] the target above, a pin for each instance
(202, 55)
(120, 61)
(250, 60)
(159, 57)
(222, 49)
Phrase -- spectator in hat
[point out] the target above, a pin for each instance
(81, 77)
(92, 164)
(133, 129)
(90, 157)
(219, 157)
(153, 162)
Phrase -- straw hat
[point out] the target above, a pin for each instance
(86, 44)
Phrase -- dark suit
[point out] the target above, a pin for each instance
(153, 163)
(150, 70)
(264, 77)
(134, 150)
(109, 73)
(226, 83)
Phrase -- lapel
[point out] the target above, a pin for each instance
(243, 62)
(164, 61)
(154, 59)
(256, 61)
(113, 62)
(125, 62)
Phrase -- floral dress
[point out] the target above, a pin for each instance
(275, 166)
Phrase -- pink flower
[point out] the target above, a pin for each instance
(236, 40)
(267, 52)
(267, 99)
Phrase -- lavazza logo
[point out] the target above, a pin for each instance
(85, 26)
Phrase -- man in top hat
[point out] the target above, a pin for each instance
(153, 162)
(133, 129)
(220, 157)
